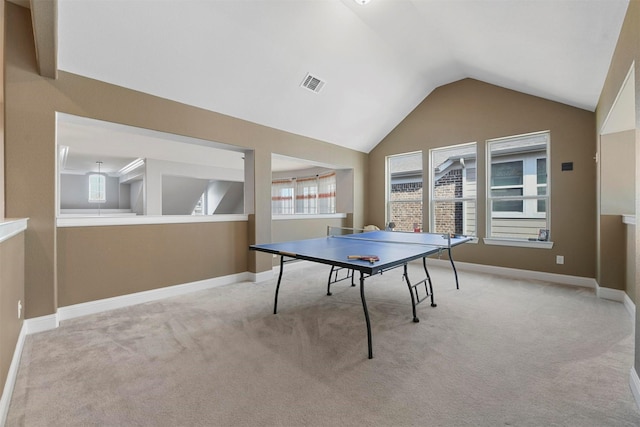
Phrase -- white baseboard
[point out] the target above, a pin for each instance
(610, 294)
(618, 296)
(41, 324)
(9, 384)
(584, 282)
(630, 306)
(262, 276)
(52, 321)
(92, 307)
(634, 382)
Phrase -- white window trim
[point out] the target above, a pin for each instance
(519, 242)
(433, 200)
(387, 185)
(102, 180)
(287, 217)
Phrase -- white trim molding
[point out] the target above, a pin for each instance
(98, 306)
(52, 321)
(12, 375)
(634, 382)
(630, 306)
(537, 244)
(11, 227)
(263, 276)
(96, 221)
(283, 217)
(610, 294)
(41, 324)
(584, 282)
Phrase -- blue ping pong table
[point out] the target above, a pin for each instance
(391, 248)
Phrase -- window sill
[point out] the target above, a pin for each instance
(96, 221)
(308, 216)
(629, 219)
(518, 243)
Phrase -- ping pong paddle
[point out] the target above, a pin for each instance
(370, 258)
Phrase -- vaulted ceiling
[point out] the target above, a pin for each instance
(248, 58)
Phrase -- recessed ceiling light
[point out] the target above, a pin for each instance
(362, 2)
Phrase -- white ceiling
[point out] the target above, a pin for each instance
(247, 58)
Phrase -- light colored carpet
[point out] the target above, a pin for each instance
(496, 352)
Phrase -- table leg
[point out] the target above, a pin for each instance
(275, 304)
(413, 289)
(413, 299)
(424, 265)
(330, 280)
(366, 315)
(455, 273)
(333, 277)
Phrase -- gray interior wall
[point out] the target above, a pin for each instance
(225, 197)
(136, 197)
(74, 193)
(180, 194)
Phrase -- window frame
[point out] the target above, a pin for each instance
(530, 186)
(433, 199)
(94, 194)
(388, 186)
(306, 198)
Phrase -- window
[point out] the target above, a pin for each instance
(312, 195)
(507, 180)
(282, 197)
(404, 191)
(518, 200)
(327, 193)
(453, 189)
(97, 188)
(306, 195)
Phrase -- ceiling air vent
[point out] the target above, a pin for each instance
(312, 83)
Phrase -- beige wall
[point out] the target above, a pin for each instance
(31, 104)
(11, 290)
(104, 262)
(473, 111)
(612, 257)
